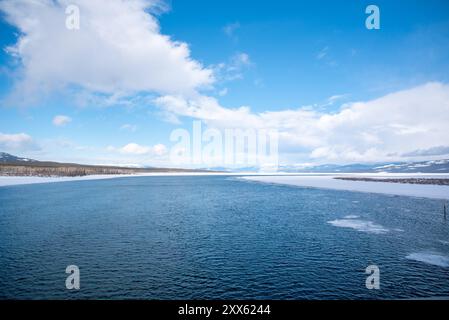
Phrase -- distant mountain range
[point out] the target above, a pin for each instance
(432, 166)
(7, 158)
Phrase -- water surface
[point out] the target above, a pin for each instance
(217, 237)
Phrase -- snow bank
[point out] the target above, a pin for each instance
(12, 180)
(328, 182)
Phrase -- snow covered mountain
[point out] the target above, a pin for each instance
(7, 158)
(433, 166)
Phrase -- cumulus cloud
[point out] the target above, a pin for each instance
(375, 130)
(17, 142)
(61, 120)
(134, 148)
(118, 49)
(208, 109)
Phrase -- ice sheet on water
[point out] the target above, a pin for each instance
(328, 182)
(430, 258)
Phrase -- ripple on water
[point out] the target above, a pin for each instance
(351, 216)
(216, 238)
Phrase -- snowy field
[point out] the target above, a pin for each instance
(13, 180)
(328, 182)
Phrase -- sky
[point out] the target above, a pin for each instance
(115, 89)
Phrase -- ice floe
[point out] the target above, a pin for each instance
(430, 258)
(359, 225)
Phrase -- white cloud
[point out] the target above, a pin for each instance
(17, 142)
(223, 92)
(134, 148)
(117, 50)
(231, 28)
(139, 150)
(325, 56)
(434, 151)
(241, 59)
(375, 130)
(61, 120)
(159, 149)
(129, 127)
(323, 52)
(233, 69)
(209, 110)
(332, 99)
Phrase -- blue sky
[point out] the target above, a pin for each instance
(308, 68)
(284, 39)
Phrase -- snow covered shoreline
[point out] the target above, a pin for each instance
(20, 180)
(328, 182)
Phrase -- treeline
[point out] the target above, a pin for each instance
(73, 171)
(434, 181)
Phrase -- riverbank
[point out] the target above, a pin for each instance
(20, 180)
(432, 181)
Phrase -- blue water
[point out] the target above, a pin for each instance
(215, 237)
